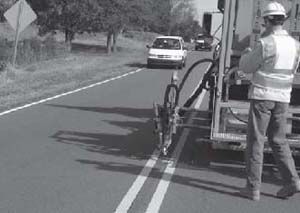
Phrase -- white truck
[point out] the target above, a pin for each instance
(242, 27)
(228, 104)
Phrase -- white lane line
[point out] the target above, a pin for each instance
(137, 184)
(68, 93)
(199, 99)
(164, 183)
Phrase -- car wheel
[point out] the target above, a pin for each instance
(149, 65)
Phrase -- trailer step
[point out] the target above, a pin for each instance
(292, 139)
(234, 142)
(245, 105)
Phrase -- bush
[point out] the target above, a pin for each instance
(2, 66)
(32, 50)
(140, 35)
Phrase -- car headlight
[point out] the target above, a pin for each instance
(152, 55)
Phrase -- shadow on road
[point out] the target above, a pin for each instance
(136, 146)
(133, 145)
(213, 186)
(131, 112)
(226, 162)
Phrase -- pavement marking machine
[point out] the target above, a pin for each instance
(228, 86)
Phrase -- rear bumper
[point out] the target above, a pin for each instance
(203, 46)
(167, 62)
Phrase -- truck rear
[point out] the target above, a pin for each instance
(242, 28)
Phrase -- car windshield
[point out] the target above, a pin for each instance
(166, 43)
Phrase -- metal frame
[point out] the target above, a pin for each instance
(227, 37)
(226, 131)
(219, 133)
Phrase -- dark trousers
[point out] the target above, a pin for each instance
(268, 118)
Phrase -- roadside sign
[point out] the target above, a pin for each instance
(20, 15)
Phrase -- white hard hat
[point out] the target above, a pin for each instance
(274, 8)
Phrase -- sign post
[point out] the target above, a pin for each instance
(19, 16)
(17, 33)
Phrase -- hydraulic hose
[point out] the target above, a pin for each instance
(206, 78)
(205, 60)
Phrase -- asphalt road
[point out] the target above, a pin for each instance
(93, 151)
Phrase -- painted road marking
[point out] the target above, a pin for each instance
(161, 190)
(164, 183)
(200, 98)
(68, 93)
(137, 184)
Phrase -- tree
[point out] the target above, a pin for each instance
(70, 16)
(167, 14)
(182, 11)
(160, 18)
(188, 29)
(40, 5)
(77, 16)
(110, 16)
(117, 14)
(5, 5)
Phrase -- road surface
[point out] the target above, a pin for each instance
(93, 151)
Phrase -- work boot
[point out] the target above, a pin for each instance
(289, 190)
(250, 193)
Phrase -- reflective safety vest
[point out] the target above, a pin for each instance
(273, 80)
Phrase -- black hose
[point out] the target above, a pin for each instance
(206, 79)
(191, 69)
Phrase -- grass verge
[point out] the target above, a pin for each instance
(87, 65)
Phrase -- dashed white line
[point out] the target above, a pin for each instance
(137, 184)
(164, 183)
(68, 93)
(199, 100)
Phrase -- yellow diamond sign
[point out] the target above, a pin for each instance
(20, 15)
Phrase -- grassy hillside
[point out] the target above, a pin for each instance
(85, 64)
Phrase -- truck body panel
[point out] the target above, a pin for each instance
(242, 27)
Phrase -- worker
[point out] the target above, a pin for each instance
(272, 62)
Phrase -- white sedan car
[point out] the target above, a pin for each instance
(167, 50)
